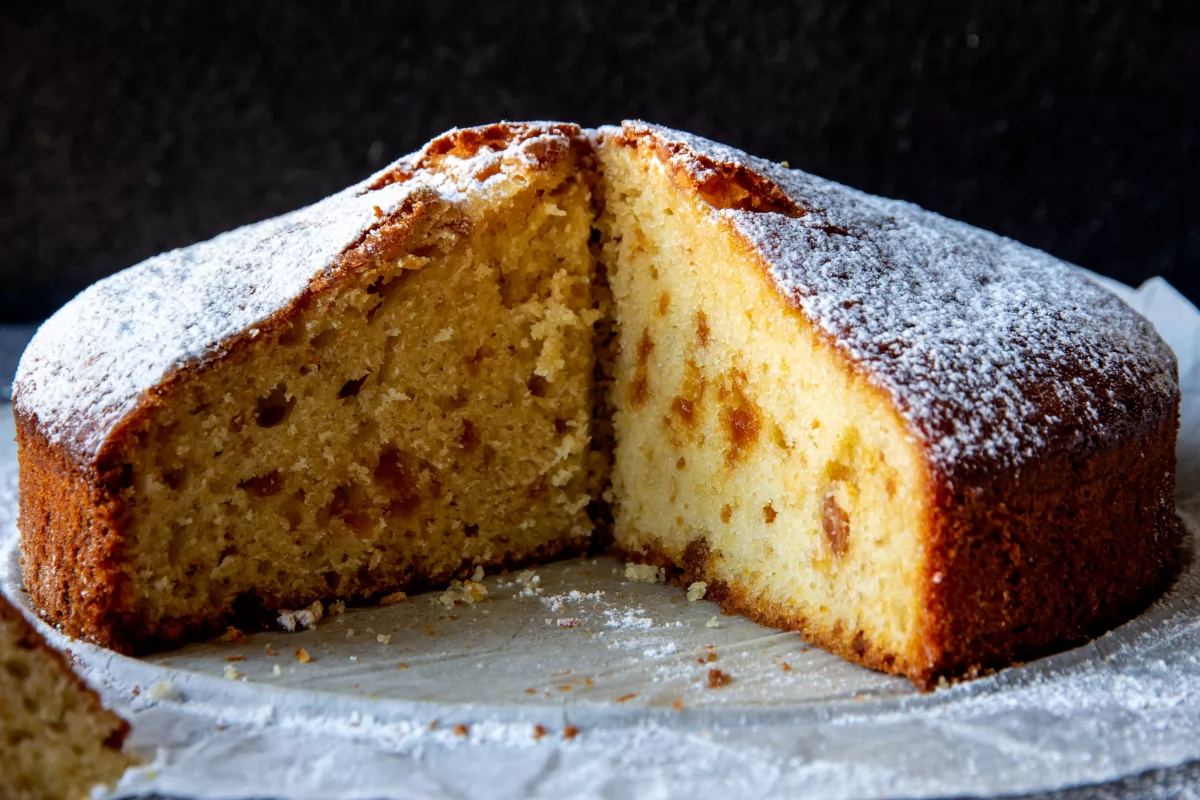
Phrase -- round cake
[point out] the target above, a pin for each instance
(930, 449)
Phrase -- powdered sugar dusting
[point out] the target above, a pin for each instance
(89, 364)
(995, 353)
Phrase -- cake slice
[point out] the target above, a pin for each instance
(926, 447)
(379, 392)
(56, 740)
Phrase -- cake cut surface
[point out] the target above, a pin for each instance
(927, 447)
(56, 740)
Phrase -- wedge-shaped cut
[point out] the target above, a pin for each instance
(928, 448)
(56, 740)
(378, 392)
(904, 437)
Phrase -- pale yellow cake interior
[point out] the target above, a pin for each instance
(736, 427)
(432, 416)
(52, 731)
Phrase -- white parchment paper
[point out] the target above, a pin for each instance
(572, 681)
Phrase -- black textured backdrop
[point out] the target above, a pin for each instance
(130, 128)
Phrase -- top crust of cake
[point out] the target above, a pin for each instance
(90, 365)
(996, 355)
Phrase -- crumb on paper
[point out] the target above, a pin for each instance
(235, 657)
(530, 581)
(302, 655)
(538, 731)
(787, 667)
(717, 678)
(678, 704)
(466, 592)
(531, 691)
(569, 622)
(712, 623)
(478, 575)
(308, 617)
(644, 573)
(570, 732)
(350, 633)
(708, 658)
(276, 670)
(696, 591)
(337, 608)
(394, 597)
(269, 650)
(231, 673)
(461, 730)
(233, 635)
(627, 697)
(165, 690)
(384, 638)
(135, 691)
(402, 665)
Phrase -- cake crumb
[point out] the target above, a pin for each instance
(696, 591)
(570, 732)
(712, 623)
(708, 657)
(538, 731)
(717, 678)
(678, 704)
(235, 657)
(531, 691)
(231, 673)
(384, 638)
(302, 655)
(402, 665)
(337, 608)
(461, 730)
(268, 649)
(233, 635)
(626, 697)
(478, 575)
(394, 597)
(787, 667)
(568, 622)
(165, 690)
(276, 670)
(466, 592)
(308, 617)
(644, 573)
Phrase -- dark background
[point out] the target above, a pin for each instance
(130, 128)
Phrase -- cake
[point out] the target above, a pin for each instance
(58, 740)
(926, 447)
(929, 449)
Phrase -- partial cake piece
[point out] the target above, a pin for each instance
(378, 392)
(926, 447)
(56, 740)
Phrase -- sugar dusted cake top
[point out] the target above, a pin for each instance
(995, 353)
(90, 364)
